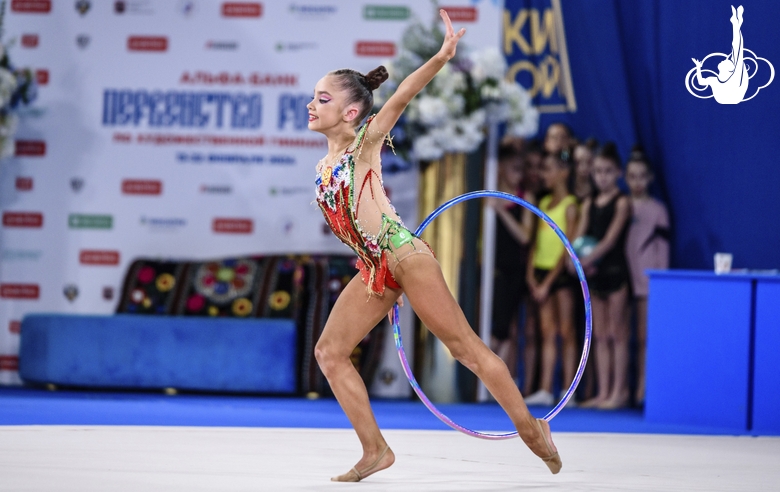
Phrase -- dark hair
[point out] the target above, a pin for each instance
(591, 144)
(534, 147)
(638, 156)
(609, 151)
(564, 160)
(507, 151)
(360, 87)
(567, 128)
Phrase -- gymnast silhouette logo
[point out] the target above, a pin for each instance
(730, 83)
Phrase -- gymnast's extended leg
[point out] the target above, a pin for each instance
(351, 319)
(421, 278)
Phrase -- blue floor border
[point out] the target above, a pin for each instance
(27, 406)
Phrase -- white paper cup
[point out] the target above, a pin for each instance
(723, 262)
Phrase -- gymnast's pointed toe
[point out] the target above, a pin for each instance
(385, 460)
(553, 459)
(351, 476)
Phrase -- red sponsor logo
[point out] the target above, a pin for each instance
(30, 148)
(22, 219)
(31, 6)
(142, 187)
(375, 48)
(461, 14)
(15, 326)
(23, 183)
(98, 257)
(233, 226)
(147, 43)
(20, 291)
(242, 9)
(9, 363)
(30, 40)
(42, 76)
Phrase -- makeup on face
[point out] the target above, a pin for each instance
(319, 106)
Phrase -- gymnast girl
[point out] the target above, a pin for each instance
(606, 217)
(647, 248)
(392, 260)
(549, 283)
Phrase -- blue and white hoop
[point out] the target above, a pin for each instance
(588, 317)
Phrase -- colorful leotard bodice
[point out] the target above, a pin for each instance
(362, 217)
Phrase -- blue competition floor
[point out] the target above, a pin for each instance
(22, 406)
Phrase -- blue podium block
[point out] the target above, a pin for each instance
(698, 349)
(146, 352)
(766, 393)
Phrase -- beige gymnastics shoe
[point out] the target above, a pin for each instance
(355, 476)
(553, 461)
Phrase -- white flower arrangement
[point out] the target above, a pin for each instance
(451, 114)
(18, 88)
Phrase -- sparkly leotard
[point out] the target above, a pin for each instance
(367, 223)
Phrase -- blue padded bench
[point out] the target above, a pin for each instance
(151, 352)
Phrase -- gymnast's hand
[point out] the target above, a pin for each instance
(400, 303)
(451, 38)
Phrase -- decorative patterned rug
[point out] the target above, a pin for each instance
(302, 288)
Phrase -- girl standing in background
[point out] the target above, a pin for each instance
(583, 162)
(514, 226)
(549, 283)
(605, 217)
(647, 247)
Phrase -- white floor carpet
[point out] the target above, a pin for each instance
(87, 458)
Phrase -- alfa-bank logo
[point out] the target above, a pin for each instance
(147, 43)
(142, 187)
(731, 83)
(462, 14)
(9, 362)
(15, 326)
(23, 219)
(24, 183)
(42, 76)
(375, 48)
(30, 148)
(232, 226)
(242, 9)
(98, 257)
(30, 40)
(20, 291)
(31, 6)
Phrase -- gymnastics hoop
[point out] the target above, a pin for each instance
(588, 319)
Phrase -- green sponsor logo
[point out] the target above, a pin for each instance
(82, 221)
(400, 238)
(386, 12)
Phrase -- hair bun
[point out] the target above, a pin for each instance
(637, 153)
(375, 77)
(609, 151)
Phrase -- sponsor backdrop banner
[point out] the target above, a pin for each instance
(177, 129)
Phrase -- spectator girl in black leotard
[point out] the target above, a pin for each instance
(605, 217)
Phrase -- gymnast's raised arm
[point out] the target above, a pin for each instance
(417, 80)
